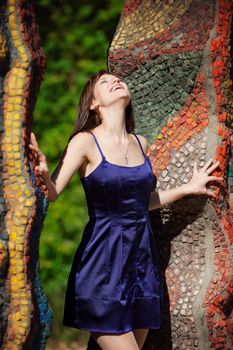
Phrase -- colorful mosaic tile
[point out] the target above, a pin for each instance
(176, 59)
(25, 317)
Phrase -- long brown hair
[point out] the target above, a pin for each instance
(88, 119)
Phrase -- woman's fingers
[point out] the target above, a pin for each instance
(206, 168)
(215, 178)
(40, 158)
(34, 149)
(195, 171)
(207, 164)
(37, 153)
(31, 145)
(212, 167)
(211, 193)
(33, 139)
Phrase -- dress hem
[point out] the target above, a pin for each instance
(137, 313)
(110, 331)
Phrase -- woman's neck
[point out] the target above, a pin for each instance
(113, 123)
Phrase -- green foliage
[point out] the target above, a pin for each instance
(75, 36)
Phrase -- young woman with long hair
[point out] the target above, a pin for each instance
(114, 289)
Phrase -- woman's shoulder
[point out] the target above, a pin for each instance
(82, 135)
(143, 141)
(141, 137)
(83, 139)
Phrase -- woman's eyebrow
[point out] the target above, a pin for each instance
(102, 79)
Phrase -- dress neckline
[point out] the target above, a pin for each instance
(116, 165)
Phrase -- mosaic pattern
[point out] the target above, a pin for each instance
(25, 316)
(176, 58)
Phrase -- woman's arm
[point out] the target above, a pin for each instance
(197, 185)
(73, 157)
(160, 198)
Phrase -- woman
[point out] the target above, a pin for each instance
(114, 287)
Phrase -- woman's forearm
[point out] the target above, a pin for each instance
(160, 198)
(196, 185)
(52, 196)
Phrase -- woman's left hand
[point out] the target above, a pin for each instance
(197, 184)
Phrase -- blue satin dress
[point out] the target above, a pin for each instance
(114, 285)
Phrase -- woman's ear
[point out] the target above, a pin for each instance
(94, 104)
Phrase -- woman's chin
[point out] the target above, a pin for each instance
(120, 101)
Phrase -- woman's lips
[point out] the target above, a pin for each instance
(116, 87)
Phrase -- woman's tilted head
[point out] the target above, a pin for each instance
(101, 90)
(109, 90)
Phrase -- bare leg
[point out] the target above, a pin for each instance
(140, 336)
(122, 341)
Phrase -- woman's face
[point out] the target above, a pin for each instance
(109, 89)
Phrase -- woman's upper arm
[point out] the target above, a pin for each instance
(72, 158)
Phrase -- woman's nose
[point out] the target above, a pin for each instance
(116, 80)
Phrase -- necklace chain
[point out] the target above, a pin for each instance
(124, 153)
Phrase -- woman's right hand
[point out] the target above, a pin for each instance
(41, 167)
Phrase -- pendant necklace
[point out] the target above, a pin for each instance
(124, 153)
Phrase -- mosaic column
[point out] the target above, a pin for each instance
(25, 316)
(176, 57)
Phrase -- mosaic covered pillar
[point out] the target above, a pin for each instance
(176, 57)
(25, 316)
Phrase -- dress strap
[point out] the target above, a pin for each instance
(97, 143)
(140, 144)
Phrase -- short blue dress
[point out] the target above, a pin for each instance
(114, 285)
